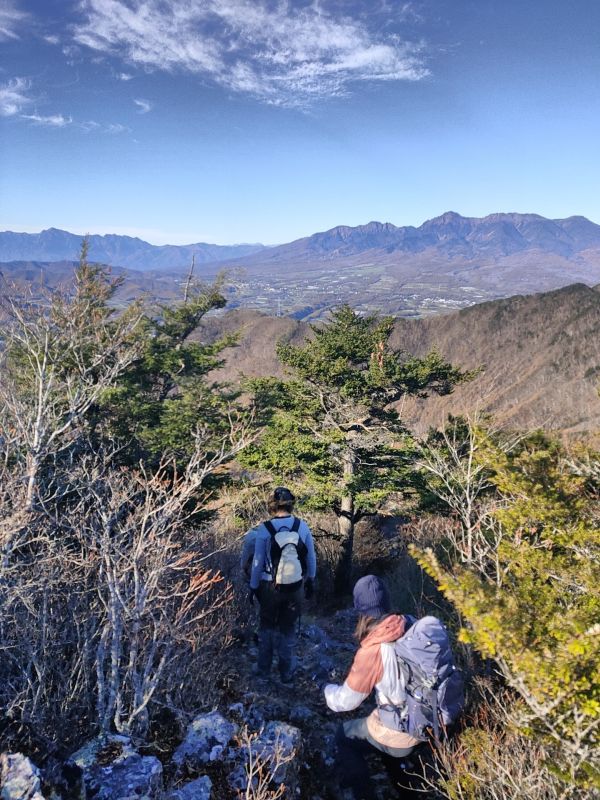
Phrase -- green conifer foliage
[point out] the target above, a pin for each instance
(165, 401)
(332, 428)
(535, 607)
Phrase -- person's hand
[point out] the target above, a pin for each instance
(309, 588)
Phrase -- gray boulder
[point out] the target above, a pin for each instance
(134, 778)
(279, 743)
(205, 740)
(113, 770)
(277, 747)
(20, 778)
(200, 789)
(315, 634)
(103, 749)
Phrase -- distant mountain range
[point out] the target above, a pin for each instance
(495, 236)
(446, 263)
(116, 251)
(540, 356)
(451, 235)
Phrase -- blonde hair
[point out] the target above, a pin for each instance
(364, 626)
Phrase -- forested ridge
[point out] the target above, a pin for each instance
(130, 471)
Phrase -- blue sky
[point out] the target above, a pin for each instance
(241, 121)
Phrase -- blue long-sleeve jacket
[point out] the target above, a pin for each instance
(247, 556)
(262, 549)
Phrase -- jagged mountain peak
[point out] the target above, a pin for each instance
(447, 218)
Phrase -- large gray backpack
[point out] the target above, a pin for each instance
(433, 685)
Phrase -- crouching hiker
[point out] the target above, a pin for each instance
(418, 689)
(283, 569)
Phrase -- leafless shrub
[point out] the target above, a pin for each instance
(262, 768)
(586, 465)
(109, 600)
(459, 477)
(112, 601)
(58, 356)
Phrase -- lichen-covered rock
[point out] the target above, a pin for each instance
(277, 748)
(20, 778)
(205, 740)
(261, 708)
(200, 789)
(327, 751)
(135, 777)
(280, 743)
(102, 750)
(113, 770)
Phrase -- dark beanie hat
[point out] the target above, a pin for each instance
(283, 495)
(371, 597)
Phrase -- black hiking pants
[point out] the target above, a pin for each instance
(279, 614)
(354, 745)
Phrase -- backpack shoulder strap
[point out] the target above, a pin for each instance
(270, 527)
(295, 525)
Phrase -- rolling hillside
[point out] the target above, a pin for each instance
(445, 264)
(540, 353)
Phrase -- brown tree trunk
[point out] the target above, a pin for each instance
(346, 515)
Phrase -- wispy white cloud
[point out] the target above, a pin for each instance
(279, 52)
(72, 54)
(124, 76)
(11, 20)
(144, 106)
(115, 128)
(52, 39)
(50, 120)
(16, 101)
(111, 128)
(89, 125)
(14, 97)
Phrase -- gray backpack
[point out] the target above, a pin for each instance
(433, 685)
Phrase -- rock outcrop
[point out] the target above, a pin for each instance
(20, 779)
(113, 770)
(265, 739)
(205, 741)
(200, 789)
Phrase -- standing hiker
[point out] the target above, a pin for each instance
(418, 689)
(283, 568)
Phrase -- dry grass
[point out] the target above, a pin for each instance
(492, 760)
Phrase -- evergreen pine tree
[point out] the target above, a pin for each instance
(333, 426)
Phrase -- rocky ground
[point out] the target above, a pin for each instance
(266, 740)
